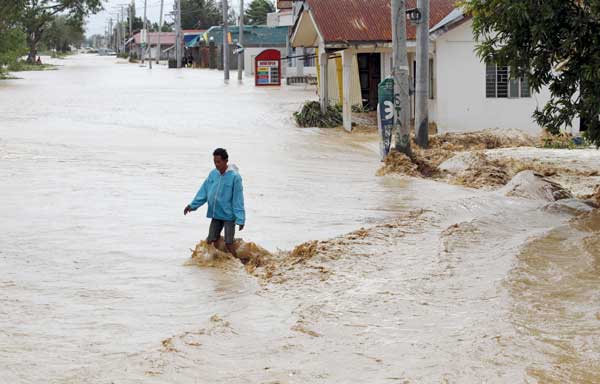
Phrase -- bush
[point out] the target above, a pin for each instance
(310, 116)
(12, 46)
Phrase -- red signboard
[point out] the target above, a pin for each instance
(267, 68)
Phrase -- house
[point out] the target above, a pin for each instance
(353, 42)
(167, 42)
(257, 38)
(301, 61)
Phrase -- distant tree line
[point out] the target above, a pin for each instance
(203, 14)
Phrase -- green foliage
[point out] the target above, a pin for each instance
(165, 28)
(310, 116)
(37, 16)
(62, 33)
(555, 44)
(199, 14)
(256, 14)
(12, 46)
(12, 39)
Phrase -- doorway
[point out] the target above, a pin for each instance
(369, 72)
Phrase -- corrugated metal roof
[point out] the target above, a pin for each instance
(254, 35)
(367, 20)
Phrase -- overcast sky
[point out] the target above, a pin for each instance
(96, 23)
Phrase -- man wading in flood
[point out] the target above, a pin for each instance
(223, 191)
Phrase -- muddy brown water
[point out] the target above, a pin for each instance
(98, 160)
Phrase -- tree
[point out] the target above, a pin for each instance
(256, 14)
(165, 28)
(64, 32)
(137, 24)
(12, 39)
(38, 15)
(199, 14)
(555, 44)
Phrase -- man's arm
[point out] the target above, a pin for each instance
(238, 202)
(199, 200)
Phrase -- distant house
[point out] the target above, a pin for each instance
(301, 60)
(353, 42)
(167, 40)
(167, 43)
(257, 38)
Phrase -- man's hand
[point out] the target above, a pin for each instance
(241, 227)
(187, 210)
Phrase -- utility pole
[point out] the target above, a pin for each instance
(144, 33)
(131, 13)
(178, 33)
(400, 73)
(160, 25)
(122, 28)
(422, 75)
(110, 33)
(241, 43)
(225, 42)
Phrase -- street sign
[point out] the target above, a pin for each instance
(144, 36)
(267, 68)
(385, 114)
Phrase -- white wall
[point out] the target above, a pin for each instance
(386, 71)
(460, 91)
(251, 53)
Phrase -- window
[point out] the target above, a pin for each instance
(498, 83)
(431, 78)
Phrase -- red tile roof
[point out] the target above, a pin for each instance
(367, 20)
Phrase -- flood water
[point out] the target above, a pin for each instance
(98, 160)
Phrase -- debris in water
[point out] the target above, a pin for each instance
(250, 253)
(304, 251)
(397, 162)
(486, 139)
(531, 185)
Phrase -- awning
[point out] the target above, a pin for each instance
(193, 42)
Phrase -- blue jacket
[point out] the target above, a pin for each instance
(225, 196)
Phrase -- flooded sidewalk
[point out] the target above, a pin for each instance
(398, 279)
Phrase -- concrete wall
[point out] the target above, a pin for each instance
(462, 104)
(251, 53)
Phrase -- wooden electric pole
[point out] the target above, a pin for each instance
(422, 76)
(401, 75)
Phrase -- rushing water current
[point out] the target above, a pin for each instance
(98, 160)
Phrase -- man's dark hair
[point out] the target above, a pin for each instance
(221, 152)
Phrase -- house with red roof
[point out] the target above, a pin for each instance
(353, 39)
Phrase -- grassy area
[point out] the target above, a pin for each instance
(22, 66)
(56, 54)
